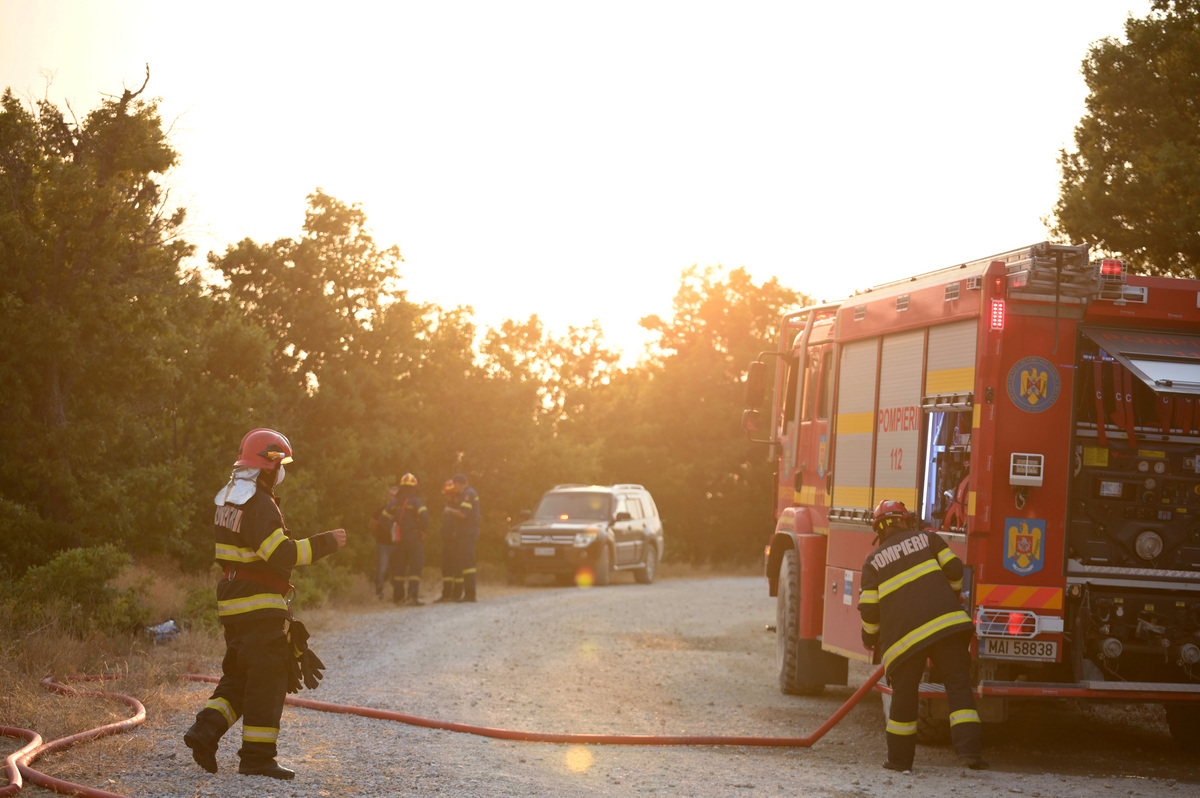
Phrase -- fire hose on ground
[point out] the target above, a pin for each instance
(17, 764)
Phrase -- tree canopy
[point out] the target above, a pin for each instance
(129, 381)
(1132, 184)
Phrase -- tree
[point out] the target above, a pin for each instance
(1132, 185)
(673, 423)
(90, 339)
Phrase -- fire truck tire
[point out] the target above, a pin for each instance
(1184, 722)
(790, 659)
(933, 726)
(603, 568)
(645, 574)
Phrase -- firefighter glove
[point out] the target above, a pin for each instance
(305, 664)
(294, 675)
(311, 667)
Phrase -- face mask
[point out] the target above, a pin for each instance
(279, 477)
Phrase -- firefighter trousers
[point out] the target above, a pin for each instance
(253, 685)
(451, 572)
(952, 661)
(467, 539)
(409, 559)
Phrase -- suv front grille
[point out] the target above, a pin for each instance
(539, 539)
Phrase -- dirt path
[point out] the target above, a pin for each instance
(675, 657)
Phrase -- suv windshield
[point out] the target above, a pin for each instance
(581, 506)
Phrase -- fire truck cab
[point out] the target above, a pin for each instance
(1041, 412)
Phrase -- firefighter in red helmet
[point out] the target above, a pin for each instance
(408, 535)
(452, 579)
(257, 554)
(911, 613)
(468, 515)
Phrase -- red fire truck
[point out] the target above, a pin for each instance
(1042, 413)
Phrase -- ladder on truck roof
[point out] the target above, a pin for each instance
(1041, 271)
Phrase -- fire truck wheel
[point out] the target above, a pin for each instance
(645, 574)
(933, 724)
(789, 657)
(603, 567)
(1184, 722)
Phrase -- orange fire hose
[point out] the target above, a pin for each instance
(20, 760)
(32, 752)
(10, 762)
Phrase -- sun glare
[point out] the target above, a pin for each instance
(578, 759)
(588, 650)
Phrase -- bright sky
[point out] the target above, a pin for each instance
(570, 159)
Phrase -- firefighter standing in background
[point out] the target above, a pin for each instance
(408, 534)
(468, 533)
(911, 613)
(381, 527)
(257, 554)
(452, 579)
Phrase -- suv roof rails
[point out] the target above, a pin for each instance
(618, 486)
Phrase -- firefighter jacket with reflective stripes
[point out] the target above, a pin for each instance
(412, 517)
(468, 502)
(909, 594)
(251, 539)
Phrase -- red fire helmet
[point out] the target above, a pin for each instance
(264, 448)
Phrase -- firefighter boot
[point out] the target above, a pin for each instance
(414, 592)
(447, 590)
(458, 589)
(258, 759)
(398, 585)
(468, 586)
(272, 769)
(203, 736)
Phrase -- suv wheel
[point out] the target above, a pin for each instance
(645, 574)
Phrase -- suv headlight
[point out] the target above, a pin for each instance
(513, 538)
(587, 537)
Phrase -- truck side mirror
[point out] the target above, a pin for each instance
(752, 421)
(756, 386)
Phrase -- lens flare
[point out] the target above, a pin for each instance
(579, 759)
(584, 577)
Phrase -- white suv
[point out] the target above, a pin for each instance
(588, 528)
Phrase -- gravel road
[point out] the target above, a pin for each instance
(675, 657)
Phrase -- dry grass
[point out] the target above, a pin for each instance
(150, 673)
(164, 586)
(673, 570)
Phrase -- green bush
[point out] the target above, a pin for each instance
(200, 609)
(318, 583)
(74, 592)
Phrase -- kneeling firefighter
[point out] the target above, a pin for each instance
(408, 535)
(911, 612)
(266, 652)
